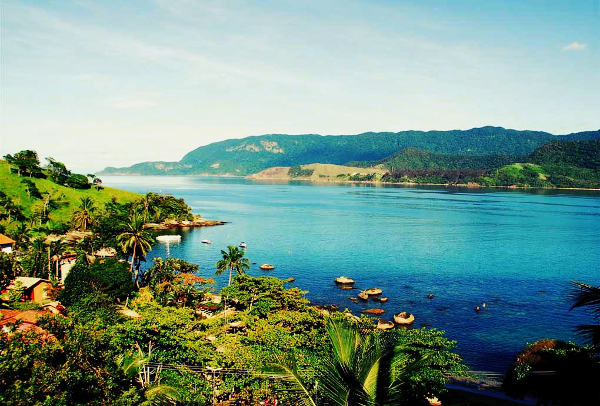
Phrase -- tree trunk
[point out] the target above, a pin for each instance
(137, 270)
(229, 283)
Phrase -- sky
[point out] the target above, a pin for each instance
(113, 83)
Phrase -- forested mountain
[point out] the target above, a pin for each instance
(253, 154)
(412, 158)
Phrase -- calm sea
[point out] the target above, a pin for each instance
(516, 251)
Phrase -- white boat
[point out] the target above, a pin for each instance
(168, 238)
(205, 241)
(243, 245)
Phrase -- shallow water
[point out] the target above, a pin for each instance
(515, 250)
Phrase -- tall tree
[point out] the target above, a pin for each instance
(588, 296)
(21, 234)
(234, 260)
(11, 209)
(27, 162)
(83, 216)
(135, 241)
(58, 171)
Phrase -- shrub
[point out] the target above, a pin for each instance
(555, 372)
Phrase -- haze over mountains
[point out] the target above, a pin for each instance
(240, 157)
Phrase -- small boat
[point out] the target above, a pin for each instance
(243, 245)
(404, 318)
(267, 267)
(205, 241)
(168, 238)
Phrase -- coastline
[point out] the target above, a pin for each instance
(378, 183)
(360, 182)
(170, 224)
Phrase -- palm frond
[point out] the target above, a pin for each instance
(286, 368)
(590, 332)
(583, 294)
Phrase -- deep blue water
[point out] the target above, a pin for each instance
(517, 251)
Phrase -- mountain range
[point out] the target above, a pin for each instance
(241, 157)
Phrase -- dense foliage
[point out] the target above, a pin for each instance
(297, 172)
(555, 372)
(412, 158)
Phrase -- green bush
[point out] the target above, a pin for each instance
(107, 276)
(555, 372)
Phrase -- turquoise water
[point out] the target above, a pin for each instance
(516, 251)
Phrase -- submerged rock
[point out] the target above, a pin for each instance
(404, 318)
(384, 325)
(373, 311)
(344, 280)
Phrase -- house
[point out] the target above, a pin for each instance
(35, 289)
(66, 263)
(6, 244)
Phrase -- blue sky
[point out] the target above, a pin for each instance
(112, 83)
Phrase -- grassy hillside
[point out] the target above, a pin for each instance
(254, 154)
(321, 172)
(67, 199)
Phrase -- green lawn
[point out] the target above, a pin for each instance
(68, 198)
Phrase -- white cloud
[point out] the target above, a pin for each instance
(574, 46)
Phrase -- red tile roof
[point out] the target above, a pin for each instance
(6, 240)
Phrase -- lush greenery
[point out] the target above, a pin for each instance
(271, 344)
(254, 154)
(555, 372)
(297, 172)
(412, 158)
(44, 201)
(574, 164)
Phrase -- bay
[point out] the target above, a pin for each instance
(515, 250)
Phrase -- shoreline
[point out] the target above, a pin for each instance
(360, 182)
(170, 224)
(461, 185)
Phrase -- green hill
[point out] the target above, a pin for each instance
(412, 158)
(66, 199)
(563, 164)
(254, 154)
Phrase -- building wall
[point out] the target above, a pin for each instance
(41, 292)
(7, 248)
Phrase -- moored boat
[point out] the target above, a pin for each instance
(205, 241)
(267, 267)
(243, 245)
(168, 238)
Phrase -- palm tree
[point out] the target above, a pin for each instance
(364, 370)
(82, 217)
(234, 261)
(584, 295)
(21, 235)
(144, 204)
(136, 241)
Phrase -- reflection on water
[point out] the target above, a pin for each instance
(514, 250)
